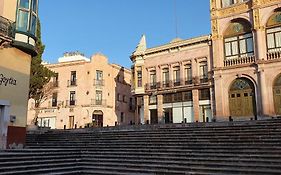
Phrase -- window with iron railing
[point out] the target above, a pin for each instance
(176, 76)
(203, 72)
(152, 79)
(73, 80)
(72, 98)
(139, 76)
(54, 99)
(188, 74)
(165, 78)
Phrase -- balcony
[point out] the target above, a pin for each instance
(188, 82)
(239, 61)
(71, 83)
(71, 102)
(98, 82)
(273, 55)
(55, 84)
(7, 29)
(204, 79)
(95, 102)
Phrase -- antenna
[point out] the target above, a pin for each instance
(176, 17)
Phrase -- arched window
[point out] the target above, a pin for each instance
(238, 40)
(273, 32)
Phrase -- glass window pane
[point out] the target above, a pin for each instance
(242, 46)
(33, 25)
(227, 49)
(250, 47)
(234, 46)
(24, 4)
(22, 21)
(270, 41)
(278, 39)
(34, 6)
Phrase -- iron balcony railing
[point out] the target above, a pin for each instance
(97, 102)
(240, 60)
(71, 102)
(71, 83)
(7, 28)
(98, 82)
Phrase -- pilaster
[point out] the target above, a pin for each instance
(146, 108)
(195, 98)
(160, 112)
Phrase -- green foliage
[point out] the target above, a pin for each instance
(39, 74)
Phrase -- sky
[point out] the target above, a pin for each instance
(114, 27)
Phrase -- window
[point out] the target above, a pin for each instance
(54, 99)
(188, 74)
(131, 103)
(203, 72)
(72, 98)
(27, 16)
(273, 39)
(187, 96)
(139, 76)
(98, 97)
(165, 77)
(177, 97)
(56, 80)
(226, 3)
(124, 99)
(204, 94)
(152, 79)
(122, 117)
(152, 99)
(99, 74)
(167, 98)
(73, 78)
(239, 46)
(119, 97)
(176, 76)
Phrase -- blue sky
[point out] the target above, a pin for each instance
(114, 27)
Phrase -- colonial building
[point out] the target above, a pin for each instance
(235, 73)
(17, 45)
(171, 83)
(85, 93)
(246, 37)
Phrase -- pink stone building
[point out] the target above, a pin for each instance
(172, 82)
(246, 38)
(86, 92)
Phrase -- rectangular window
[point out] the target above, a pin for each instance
(99, 74)
(98, 97)
(188, 74)
(54, 99)
(72, 98)
(73, 78)
(204, 94)
(165, 77)
(176, 76)
(167, 98)
(177, 97)
(152, 99)
(187, 96)
(203, 72)
(124, 99)
(22, 21)
(139, 76)
(152, 79)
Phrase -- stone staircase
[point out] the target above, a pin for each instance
(249, 147)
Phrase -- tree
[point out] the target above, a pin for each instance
(40, 87)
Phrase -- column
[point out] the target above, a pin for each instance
(160, 109)
(195, 98)
(171, 77)
(146, 108)
(264, 100)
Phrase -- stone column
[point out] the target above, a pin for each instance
(160, 112)
(146, 108)
(263, 102)
(195, 98)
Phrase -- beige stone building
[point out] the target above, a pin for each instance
(171, 83)
(17, 40)
(246, 37)
(85, 91)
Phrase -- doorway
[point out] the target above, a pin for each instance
(97, 118)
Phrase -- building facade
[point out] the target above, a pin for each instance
(246, 37)
(171, 83)
(17, 45)
(241, 62)
(85, 93)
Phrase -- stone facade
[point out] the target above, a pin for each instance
(85, 92)
(172, 82)
(243, 59)
(16, 49)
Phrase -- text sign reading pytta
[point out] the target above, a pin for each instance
(7, 81)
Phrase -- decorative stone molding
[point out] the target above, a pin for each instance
(237, 9)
